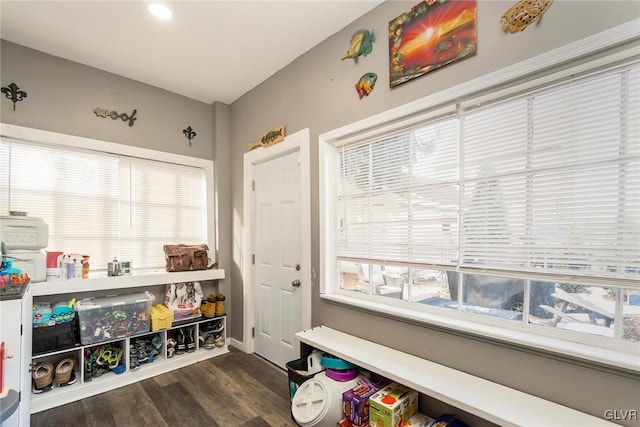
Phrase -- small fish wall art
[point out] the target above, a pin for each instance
(522, 14)
(365, 84)
(361, 44)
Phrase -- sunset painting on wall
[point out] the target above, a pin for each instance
(431, 34)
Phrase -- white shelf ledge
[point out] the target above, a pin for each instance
(99, 283)
(488, 400)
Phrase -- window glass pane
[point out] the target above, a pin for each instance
(584, 309)
(428, 286)
(631, 315)
(488, 295)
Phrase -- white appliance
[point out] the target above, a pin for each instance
(24, 237)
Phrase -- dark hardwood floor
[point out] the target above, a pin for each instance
(235, 389)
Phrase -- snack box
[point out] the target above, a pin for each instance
(107, 318)
(419, 420)
(392, 406)
(355, 401)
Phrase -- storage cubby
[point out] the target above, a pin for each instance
(97, 365)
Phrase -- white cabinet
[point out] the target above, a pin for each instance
(15, 322)
(87, 383)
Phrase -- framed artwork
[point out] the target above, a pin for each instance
(430, 35)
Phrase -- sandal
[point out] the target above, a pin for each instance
(64, 369)
(42, 376)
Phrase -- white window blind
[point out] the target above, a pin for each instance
(545, 182)
(551, 181)
(104, 205)
(398, 195)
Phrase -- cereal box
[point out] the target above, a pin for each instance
(392, 406)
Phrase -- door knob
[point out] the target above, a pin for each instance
(295, 283)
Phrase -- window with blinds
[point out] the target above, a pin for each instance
(547, 182)
(104, 205)
(523, 209)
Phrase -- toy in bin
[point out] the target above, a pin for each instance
(12, 280)
(118, 316)
(46, 314)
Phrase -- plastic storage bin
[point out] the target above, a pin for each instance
(108, 318)
(161, 317)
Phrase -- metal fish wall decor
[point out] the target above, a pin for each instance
(522, 14)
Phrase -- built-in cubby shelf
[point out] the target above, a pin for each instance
(85, 387)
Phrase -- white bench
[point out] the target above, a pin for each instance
(488, 400)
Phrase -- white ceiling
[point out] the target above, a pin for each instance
(209, 51)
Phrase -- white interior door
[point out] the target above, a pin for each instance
(277, 294)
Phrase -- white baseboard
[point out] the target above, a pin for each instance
(240, 345)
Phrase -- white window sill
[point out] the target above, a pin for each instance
(594, 355)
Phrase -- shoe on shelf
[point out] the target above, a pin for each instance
(191, 343)
(218, 339)
(42, 376)
(171, 347)
(208, 308)
(114, 360)
(141, 349)
(133, 358)
(88, 376)
(106, 353)
(215, 326)
(181, 347)
(210, 342)
(220, 298)
(157, 342)
(64, 369)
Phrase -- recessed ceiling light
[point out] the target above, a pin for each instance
(160, 11)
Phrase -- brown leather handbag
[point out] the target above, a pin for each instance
(186, 257)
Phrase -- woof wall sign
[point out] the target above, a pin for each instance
(131, 118)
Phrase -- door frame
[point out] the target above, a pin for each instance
(296, 142)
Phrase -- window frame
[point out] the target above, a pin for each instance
(20, 133)
(582, 57)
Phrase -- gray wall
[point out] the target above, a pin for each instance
(317, 91)
(61, 97)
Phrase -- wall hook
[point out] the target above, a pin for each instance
(189, 133)
(14, 93)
